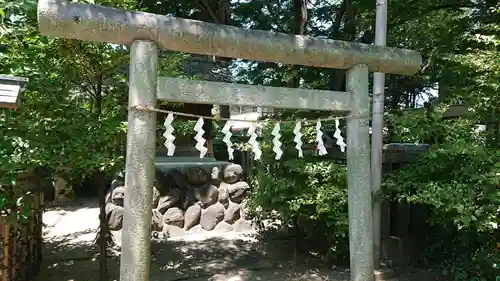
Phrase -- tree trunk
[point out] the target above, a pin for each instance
(299, 8)
(224, 111)
(100, 180)
(219, 13)
(337, 81)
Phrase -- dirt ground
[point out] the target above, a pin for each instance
(70, 255)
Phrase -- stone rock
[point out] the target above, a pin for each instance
(115, 218)
(215, 176)
(197, 229)
(192, 216)
(156, 197)
(117, 195)
(176, 179)
(197, 176)
(216, 182)
(174, 216)
(224, 195)
(161, 182)
(232, 173)
(212, 216)
(245, 210)
(238, 191)
(168, 200)
(215, 173)
(157, 235)
(157, 221)
(166, 180)
(223, 227)
(189, 198)
(172, 231)
(109, 208)
(232, 213)
(207, 195)
(243, 225)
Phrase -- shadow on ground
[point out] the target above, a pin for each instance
(70, 255)
(211, 259)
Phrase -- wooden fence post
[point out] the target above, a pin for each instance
(13, 244)
(6, 244)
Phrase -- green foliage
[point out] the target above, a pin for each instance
(430, 126)
(310, 192)
(458, 179)
(69, 106)
(74, 109)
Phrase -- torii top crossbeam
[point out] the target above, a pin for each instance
(62, 19)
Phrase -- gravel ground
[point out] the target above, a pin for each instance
(70, 255)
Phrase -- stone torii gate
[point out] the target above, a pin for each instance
(148, 33)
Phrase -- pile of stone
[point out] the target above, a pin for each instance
(193, 201)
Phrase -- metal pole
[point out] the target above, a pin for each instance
(377, 130)
(139, 173)
(358, 165)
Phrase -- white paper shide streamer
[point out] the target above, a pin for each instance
(276, 141)
(253, 142)
(169, 134)
(298, 139)
(226, 130)
(319, 139)
(338, 136)
(200, 141)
